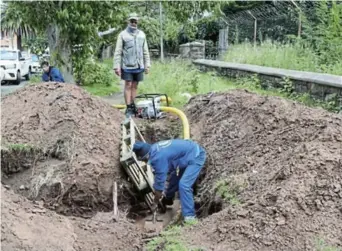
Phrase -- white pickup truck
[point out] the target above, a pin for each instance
(14, 66)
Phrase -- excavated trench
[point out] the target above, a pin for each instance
(273, 166)
(25, 170)
(63, 150)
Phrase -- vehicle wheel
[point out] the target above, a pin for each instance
(27, 77)
(17, 82)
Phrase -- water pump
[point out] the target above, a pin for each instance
(149, 108)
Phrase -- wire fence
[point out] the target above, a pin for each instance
(276, 21)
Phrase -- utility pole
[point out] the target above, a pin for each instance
(161, 31)
(299, 18)
(255, 27)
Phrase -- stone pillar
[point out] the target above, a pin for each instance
(223, 42)
(194, 50)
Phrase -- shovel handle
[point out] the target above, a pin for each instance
(154, 216)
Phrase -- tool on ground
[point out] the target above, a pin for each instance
(155, 212)
(155, 218)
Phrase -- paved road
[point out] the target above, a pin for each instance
(8, 88)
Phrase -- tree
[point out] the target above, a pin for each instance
(71, 27)
(37, 44)
(13, 22)
(323, 30)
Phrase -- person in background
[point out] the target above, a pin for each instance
(183, 161)
(50, 73)
(131, 60)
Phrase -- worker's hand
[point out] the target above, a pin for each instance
(157, 196)
(147, 70)
(117, 71)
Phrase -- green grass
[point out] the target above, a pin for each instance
(34, 79)
(170, 240)
(293, 56)
(101, 81)
(176, 77)
(108, 62)
(20, 147)
(228, 190)
(321, 245)
(102, 90)
(254, 84)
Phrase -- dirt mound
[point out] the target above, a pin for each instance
(275, 170)
(23, 224)
(61, 145)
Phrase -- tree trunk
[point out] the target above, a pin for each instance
(19, 46)
(60, 53)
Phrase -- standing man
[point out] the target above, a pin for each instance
(131, 59)
(183, 160)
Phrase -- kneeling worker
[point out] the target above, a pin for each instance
(51, 73)
(183, 160)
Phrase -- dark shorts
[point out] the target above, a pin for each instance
(135, 77)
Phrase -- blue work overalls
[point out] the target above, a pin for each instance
(183, 160)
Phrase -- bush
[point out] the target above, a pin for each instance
(94, 73)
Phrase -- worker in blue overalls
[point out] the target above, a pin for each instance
(183, 161)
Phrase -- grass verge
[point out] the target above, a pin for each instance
(178, 78)
(35, 79)
(102, 90)
(99, 79)
(294, 56)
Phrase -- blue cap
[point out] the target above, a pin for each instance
(141, 149)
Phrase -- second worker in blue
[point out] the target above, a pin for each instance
(183, 161)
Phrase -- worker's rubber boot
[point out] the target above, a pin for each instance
(134, 109)
(167, 201)
(129, 111)
(190, 220)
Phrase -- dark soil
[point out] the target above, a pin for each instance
(161, 129)
(275, 168)
(27, 226)
(76, 139)
(272, 181)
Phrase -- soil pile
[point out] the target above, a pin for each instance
(274, 170)
(23, 224)
(61, 145)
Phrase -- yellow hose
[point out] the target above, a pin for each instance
(120, 106)
(164, 99)
(179, 113)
